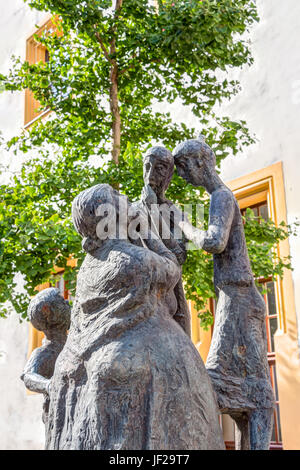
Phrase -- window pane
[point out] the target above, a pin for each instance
(271, 298)
(275, 383)
(273, 438)
(261, 287)
(263, 211)
(278, 423)
(276, 433)
(273, 329)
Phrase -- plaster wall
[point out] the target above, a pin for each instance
(269, 102)
(20, 414)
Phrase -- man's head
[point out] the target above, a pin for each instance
(195, 161)
(158, 168)
(49, 311)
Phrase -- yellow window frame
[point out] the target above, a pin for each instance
(35, 52)
(266, 184)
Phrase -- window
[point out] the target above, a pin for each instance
(263, 191)
(36, 52)
(268, 290)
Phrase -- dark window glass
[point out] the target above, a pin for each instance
(271, 299)
(263, 211)
(273, 329)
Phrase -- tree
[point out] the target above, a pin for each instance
(113, 68)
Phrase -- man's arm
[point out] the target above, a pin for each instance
(221, 214)
(160, 220)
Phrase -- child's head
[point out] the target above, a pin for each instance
(195, 161)
(49, 311)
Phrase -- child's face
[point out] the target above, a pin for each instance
(192, 169)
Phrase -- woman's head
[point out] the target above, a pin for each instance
(95, 210)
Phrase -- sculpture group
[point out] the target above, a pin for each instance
(127, 376)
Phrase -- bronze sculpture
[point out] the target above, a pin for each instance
(158, 168)
(128, 376)
(237, 361)
(50, 313)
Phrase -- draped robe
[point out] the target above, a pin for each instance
(128, 377)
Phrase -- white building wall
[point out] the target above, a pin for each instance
(20, 414)
(270, 103)
(21, 426)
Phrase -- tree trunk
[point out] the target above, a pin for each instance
(113, 95)
(115, 111)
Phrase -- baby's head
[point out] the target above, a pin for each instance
(49, 311)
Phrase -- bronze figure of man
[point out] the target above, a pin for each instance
(158, 171)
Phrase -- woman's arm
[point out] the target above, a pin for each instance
(36, 383)
(148, 239)
(155, 244)
(167, 266)
(166, 269)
